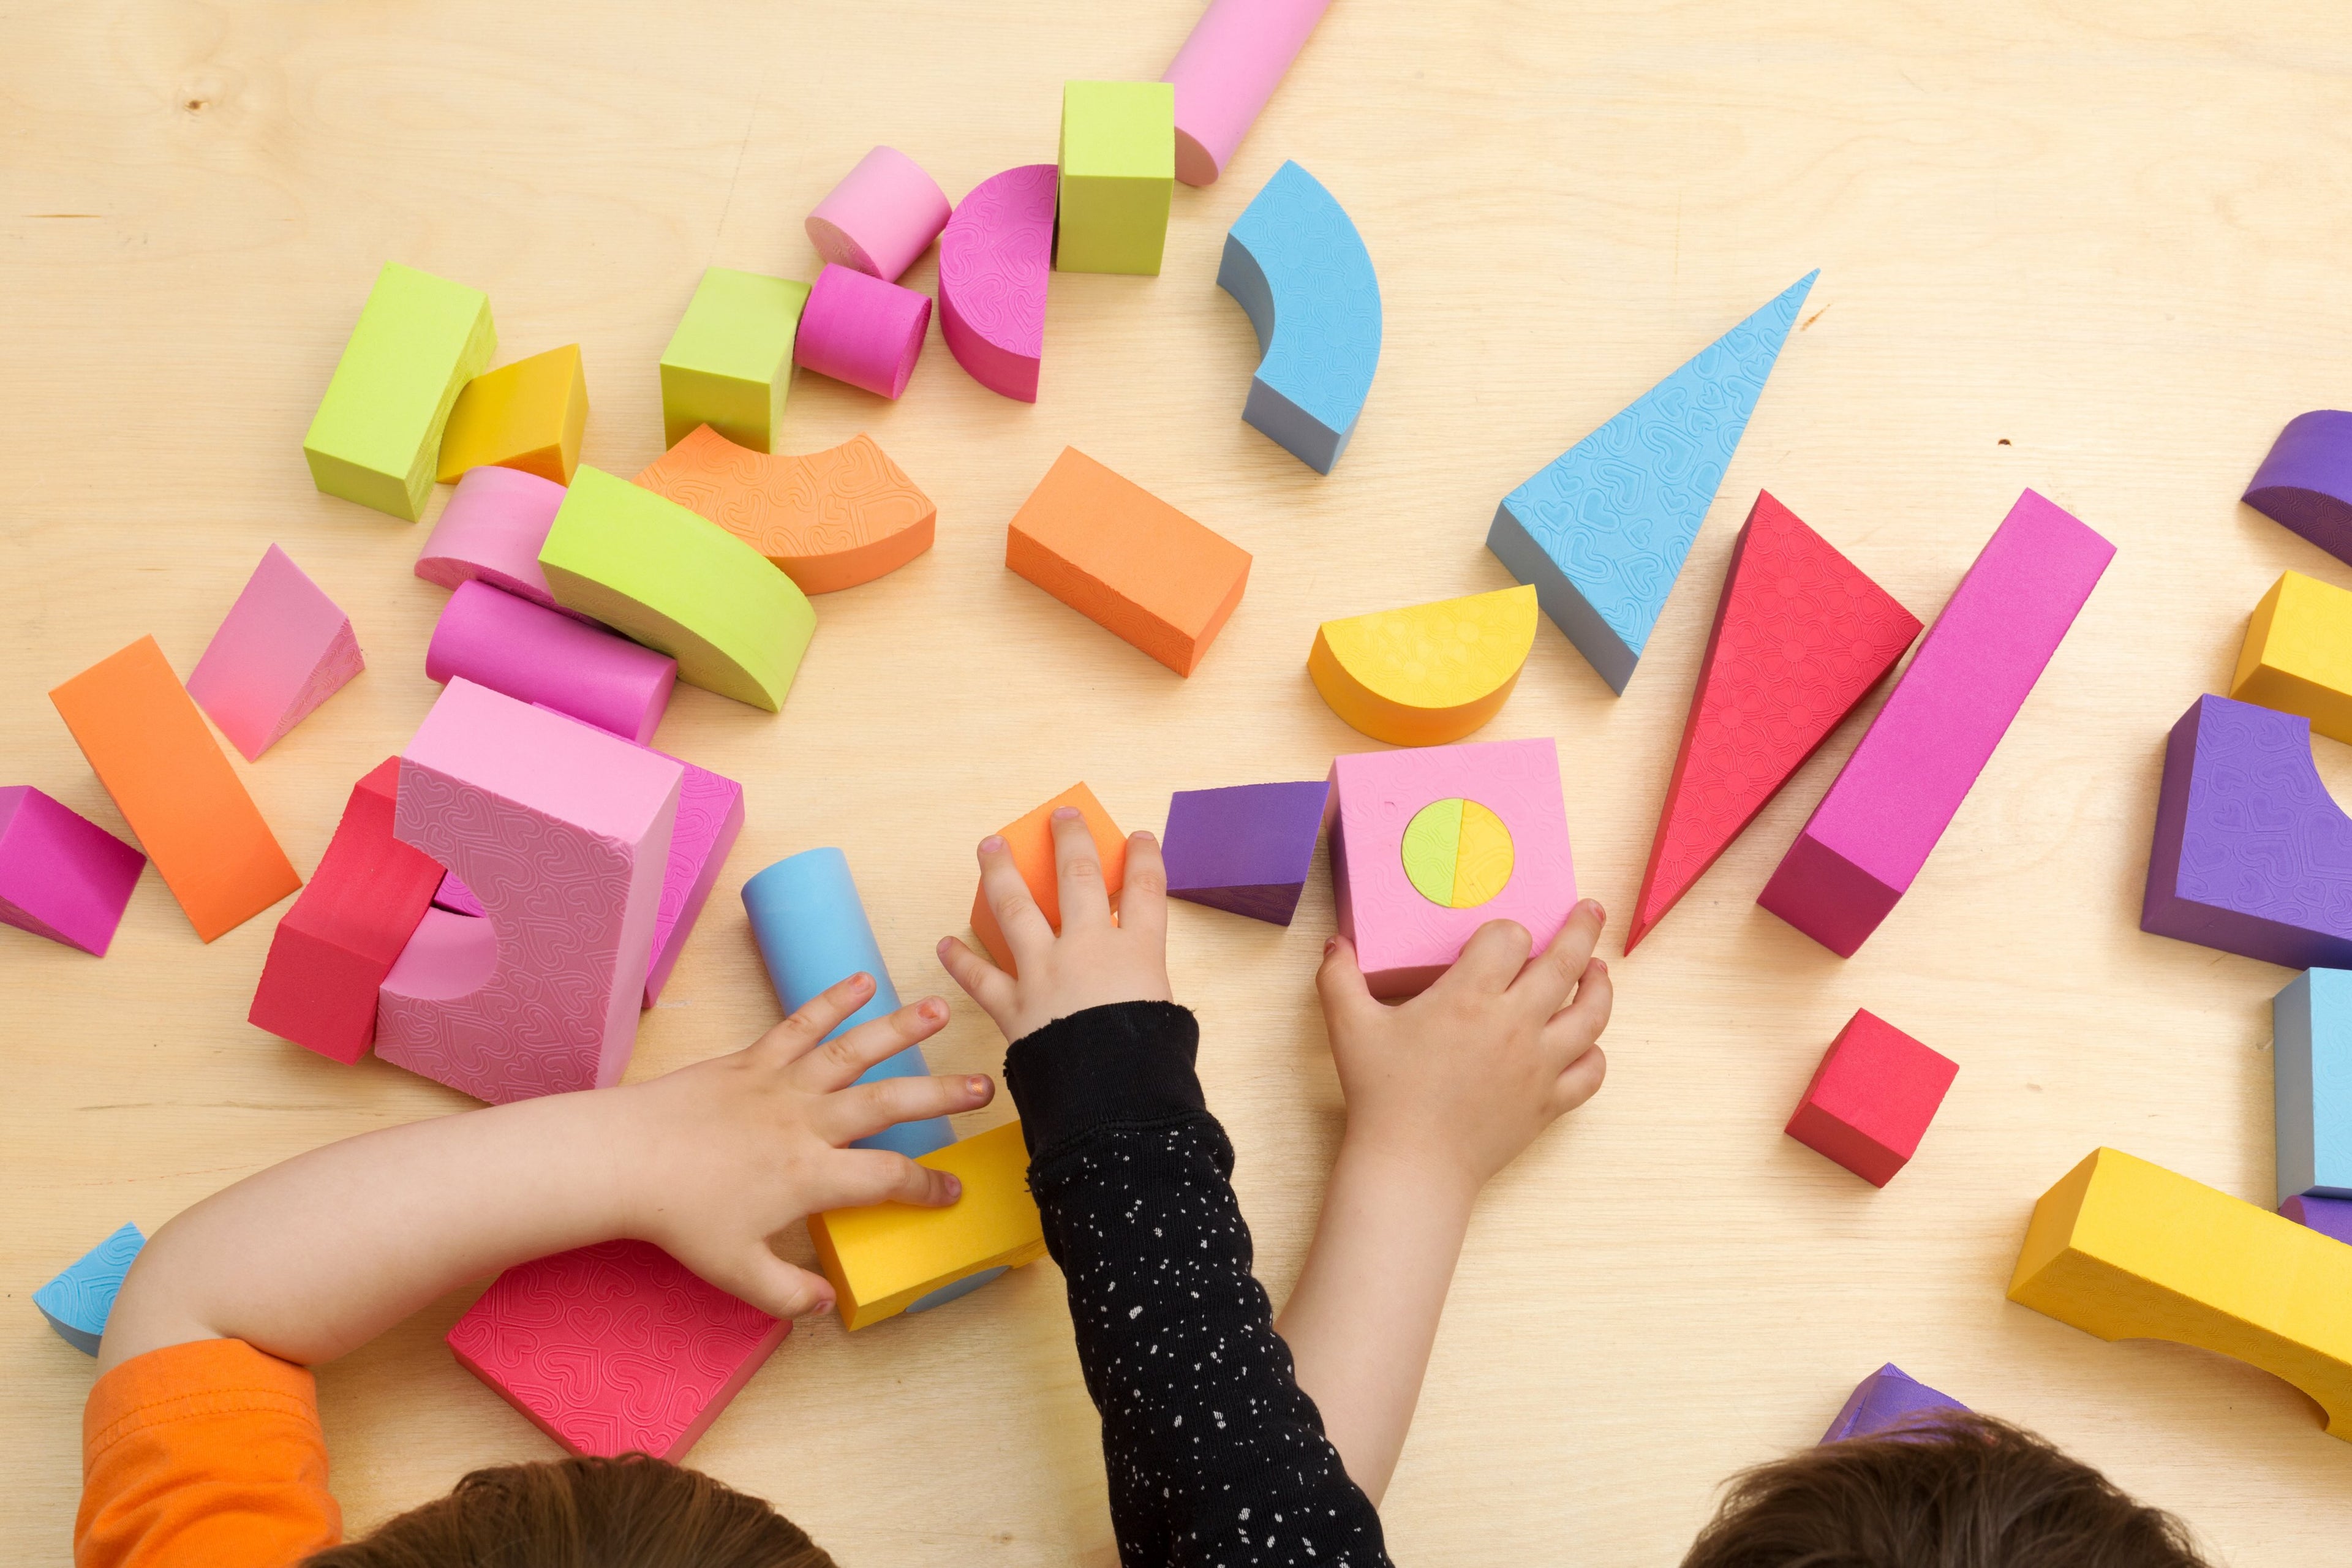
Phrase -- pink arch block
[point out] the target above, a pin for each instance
(1228, 67)
(882, 215)
(862, 330)
(994, 258)
(491, 531)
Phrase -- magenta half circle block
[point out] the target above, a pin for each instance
(2306, 482)
(995, 254)
(1246, 848)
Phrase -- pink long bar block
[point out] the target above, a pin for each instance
(1228, 67)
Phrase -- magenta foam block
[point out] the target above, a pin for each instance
(532, 655)
(995, 256)
(491, 531)
(284, 649)
(884, 213)
(2306, 482)
(1875, 829)
(61, 874)
(1226, 70)
(1246, 849)
(1888, 1401)
(564, 834)
(2329, 1216)
(456, 898)
(862, 330)
(614, 1348)
(2252, 856)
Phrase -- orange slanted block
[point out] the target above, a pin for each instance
(1031, 839)
(1127, 560)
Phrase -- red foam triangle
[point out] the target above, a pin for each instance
(1800, 637)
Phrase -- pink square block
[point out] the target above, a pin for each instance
(1872, 1098)
(284, 649)
(1404, 940)
(614, 1348)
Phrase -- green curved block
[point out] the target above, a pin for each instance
(376, 438)
(653, 571)
(730, 363)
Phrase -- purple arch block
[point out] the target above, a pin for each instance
(2329, 1216)
(1246, 848)
(2305, 483)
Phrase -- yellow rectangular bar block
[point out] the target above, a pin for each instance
(376, 438)
(730, 363)
(530, 414)
(2128, 1251)
(885, 1258)
(2298, 656)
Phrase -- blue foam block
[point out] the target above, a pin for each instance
(1298, 268)
(78, 1301)
(2311, 1068)
(1886, 1399)
(1603, 530)
(812, 932)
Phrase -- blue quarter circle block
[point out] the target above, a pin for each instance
(812, 932)
(963, 1287)
(78, 1302)
(2311, 1064)
(1602, 532)
(1300, 270)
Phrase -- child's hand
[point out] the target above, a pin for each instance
(1094, 961)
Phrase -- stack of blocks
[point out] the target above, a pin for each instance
(1872, 1098)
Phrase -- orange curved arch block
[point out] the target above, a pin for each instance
(829, 520)
(1426, 675)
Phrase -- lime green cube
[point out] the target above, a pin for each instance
(376, 438)
(1119, 173)
(730, 363)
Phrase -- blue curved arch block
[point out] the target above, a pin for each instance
(78, 1302)
(1300, 270)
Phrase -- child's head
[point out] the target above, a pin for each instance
(1963, 1493)
(630, 1512)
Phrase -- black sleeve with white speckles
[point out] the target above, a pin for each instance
(1216, 1457)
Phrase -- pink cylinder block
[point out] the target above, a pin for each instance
(862, 330)
(532, 655)
(1226, 70)
(491, 531)
(995, 256)
(881, 217)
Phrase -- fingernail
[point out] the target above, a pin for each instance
(1065, 813)
(932, 1008)
(942, 949)
(975, 1085)
(1330, 944)
(955, 1188)
(824, 1304)
(861, 981)
(991, 845)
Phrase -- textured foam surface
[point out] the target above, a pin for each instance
(61, 874)
(283, 649)
(1246, 847)
(2311, 1068)
(730, 362)
(862, 330)
(882, 215)
(78, 1302)
(890, 1258)
(1872, 1098)
(1029, 839)
(1230, 65)
(491, 531)
(1118, 163)
(2306, 481)
(1426, 674)
(532, 654)
(528, 415)
(1888, 1400)
(995, 256)
(2298, 656)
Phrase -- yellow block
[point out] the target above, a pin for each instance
(1482, 863)
(528, 415)
(1428, 674)
(2298, 654)
(883, 1260)
(2127, 1250)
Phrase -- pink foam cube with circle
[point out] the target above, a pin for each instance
(880, 217)
(863, 330)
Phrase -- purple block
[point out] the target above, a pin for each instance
(2305, 483)
(2329, 1216)
(1246, 848)
(1885, 1400)
(61, 874)
(2252, 854)
(533, 655)
(1875, 829)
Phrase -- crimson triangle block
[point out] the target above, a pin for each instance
(1801, 636)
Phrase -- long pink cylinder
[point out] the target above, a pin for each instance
(882, 215)
(1226, 70)
(533, 655)
(863, 330)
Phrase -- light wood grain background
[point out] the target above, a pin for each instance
(2094, 248)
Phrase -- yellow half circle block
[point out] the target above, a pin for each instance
(1428, 674)
(1482, 863)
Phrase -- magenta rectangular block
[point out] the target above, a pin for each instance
(61, 874)
(1875, 829)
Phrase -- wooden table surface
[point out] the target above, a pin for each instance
(2094, 249)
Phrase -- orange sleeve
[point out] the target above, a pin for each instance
(203, 1453)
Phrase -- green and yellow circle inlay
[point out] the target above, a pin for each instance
(1457, 853)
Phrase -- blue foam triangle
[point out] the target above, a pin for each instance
(78, 1302)
(1602, 532)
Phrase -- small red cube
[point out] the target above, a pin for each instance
(1872, 1098)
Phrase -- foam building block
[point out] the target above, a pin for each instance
(812, 932)
(338, 943)
(1602, 532)
(1117, 169)
(2252, 856)
(994, 257)
(1127, 560)
(1030, 841)
(1882, 817)
(2128, 1251)
(1234, 57)
(491, 531)
(680, 585)
(1800, 637)
(2328, 1217)
(1416, 869)
(1246, 847)
(828, 520)
(614, 1348)
(883, 214)
(61, 874)
(1299, 271)
(1888, 1401)
(376, 438)
(1427, 674)
(564, 834)
(862, 330)
(2306, 482)
(2311, 1066)
(895, 1258)
(730, 363)
(2298, 656)
(149, 748)
(284, 649)
(456, 898)
(493, 639)
(78, 1302)
(528, 415)
(1870, 1099)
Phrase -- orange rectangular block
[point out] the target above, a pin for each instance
(149, 748)
(1031, 839)
(1123, 558)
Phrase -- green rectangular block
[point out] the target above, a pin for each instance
(730, 363)
(1119, 173)
(376, 438)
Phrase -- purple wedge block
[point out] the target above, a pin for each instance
(61, 874)
(2305, 483)
(2328, 1217)
(1886, 1399)
(1244, 849)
